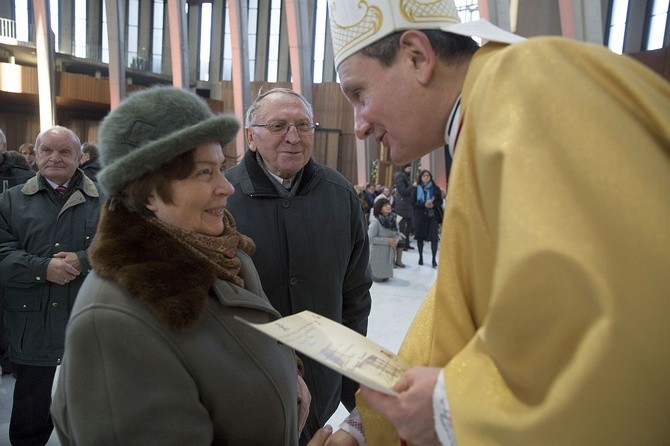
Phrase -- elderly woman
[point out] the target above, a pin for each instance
(154, 354)
(384, 236)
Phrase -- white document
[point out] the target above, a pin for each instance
(338, 347)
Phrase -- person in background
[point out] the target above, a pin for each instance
(46, 226)
(11, 173)
(384, 237)
(404, 194)
(385, 193)
(427, 204)
(547, 323)
(154, 354)
(28, 151)
(364, 203)
(311, 241)
(90, 160)
(14, 170)
(18, 160)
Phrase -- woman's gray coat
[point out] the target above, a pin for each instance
(381, 254)
(130, 378)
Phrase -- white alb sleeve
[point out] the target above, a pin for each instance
(354, 426)
(442, 414)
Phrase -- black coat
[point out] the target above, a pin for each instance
(404, 192)
(311, 254)
(91, 168)
(12, 175)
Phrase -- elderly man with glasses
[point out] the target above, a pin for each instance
(312, 247)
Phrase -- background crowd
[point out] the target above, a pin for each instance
(410, 209)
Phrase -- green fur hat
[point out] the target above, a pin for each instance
(151, 127)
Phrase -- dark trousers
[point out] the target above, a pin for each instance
(30, 424)
(5, 362)
(406, 226)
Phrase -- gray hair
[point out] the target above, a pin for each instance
(55, 130)
(255, 105)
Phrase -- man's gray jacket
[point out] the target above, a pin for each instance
(35, 225)
(311, 254)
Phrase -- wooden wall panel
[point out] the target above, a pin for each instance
(83, 88)
(19, 128)
(658, 60)
(18, 78)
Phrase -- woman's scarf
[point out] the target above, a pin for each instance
(170, 270)
(219, 251)
(388, 221)
(424, 192)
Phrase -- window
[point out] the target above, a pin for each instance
(205, 37)
(227, 72)
(617, 25)
(319, 40)
(157, 37)
(273, 47)
(659, 18)
(53, 9)
(80, 42)
(105, 35)
(133, 33)
(252, 32)
(21, 15)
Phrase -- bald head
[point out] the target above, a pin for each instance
(57, 151)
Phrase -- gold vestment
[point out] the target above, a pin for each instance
(550, 313)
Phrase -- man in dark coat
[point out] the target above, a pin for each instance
(46, 226)
(404, 191)
(311, 242)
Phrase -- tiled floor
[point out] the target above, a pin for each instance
(393, 306)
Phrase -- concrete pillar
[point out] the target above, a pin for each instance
(117, 45)
(66, 26)
(178, 48)
(144, 33)
(632, 41)
(240, 55)
(262, 36)
(94, 30)
(216, 49)
(581, 20)
(194, 20)
(300, 29)
(283, 63)
(46, 66)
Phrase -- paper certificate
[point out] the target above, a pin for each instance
(338, 347)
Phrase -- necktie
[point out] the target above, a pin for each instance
(61, 190)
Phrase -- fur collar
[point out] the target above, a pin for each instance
(152, 267)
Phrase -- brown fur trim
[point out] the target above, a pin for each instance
(152, 267)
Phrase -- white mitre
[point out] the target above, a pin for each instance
(355, 24)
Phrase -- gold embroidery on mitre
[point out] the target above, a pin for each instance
(417, 11)
(345, 37)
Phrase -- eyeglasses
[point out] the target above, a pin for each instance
(282, 127)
